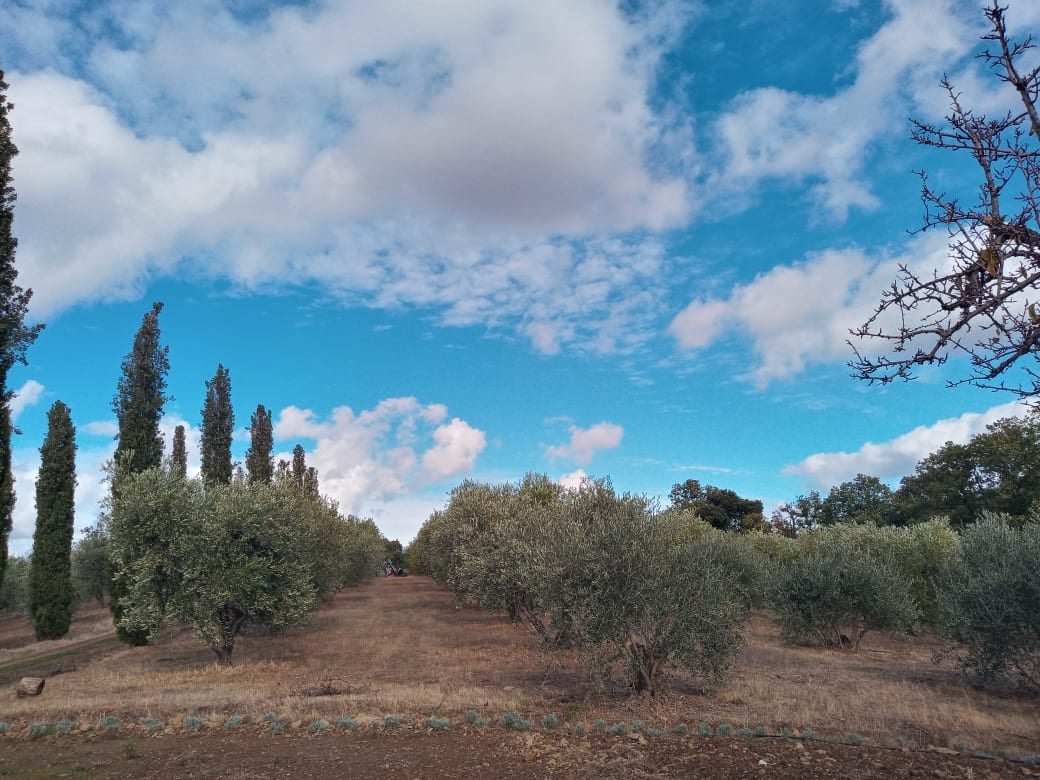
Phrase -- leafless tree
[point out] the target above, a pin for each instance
(984, 303)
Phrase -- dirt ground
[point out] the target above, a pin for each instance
(405, 647)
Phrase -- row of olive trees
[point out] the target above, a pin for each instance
(628, 587)
(222, 557)
(619, 581)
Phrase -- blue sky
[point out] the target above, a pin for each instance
(462, 239)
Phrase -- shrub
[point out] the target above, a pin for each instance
(318, 727)
(724, 730)
(618, 729)
(152, 725)
(599, 726)
(704, 730)
(110, 724)
(39, 729)
(391, 721)
(833, 595)
(808, 734)
(3, 727)
(638, 726)
(438, 724)
(233, 723)
(578, 729)
(680, 728)
(655, 732)
(514, 720)
(550, 721)
(989, 600)
(65, 726)
(347, 723)
(191, 723)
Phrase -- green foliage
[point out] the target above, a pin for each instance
(4, 728)
(138, 406)
(550, 720)
(724, 730)
(655, 732)
(224, 556)
(618, 729)
(808, 734)
(514, 720)
(318, 727)
(438, 724)
(803, 514)
(64, 726)
(680, 728)
(745, 732)
(218, 426)
(834, 594)
(15, 336)
(259, 462)
(989, 600)
(179, 455)
(578, 729)
(599, 726)
(192, 723)
(347, 723)
(232, 723)
(92, 565)
(997, 471)
(51, 594)
(39, 729)
(720, 507)
(854, 739)
(638, 726)
(865, 500)
(109, 724)
(151, 725)
(391, 721)
(14, 590)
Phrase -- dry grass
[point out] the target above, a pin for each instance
(399, 646)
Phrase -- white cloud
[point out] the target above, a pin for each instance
(574, 479)
(586, 442)
(108, 428)
(25, 396)
(771, 133)
(382, 158)
(381, 455)
(898, 457)
(800, 314)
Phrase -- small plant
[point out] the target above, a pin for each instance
(746, 733)
(318, 727)
(232, 723)
(39, 729)
(277, 726)
(471, 716)
(391, 721)
(3, 727)
(599, 726)
(578, 729)
(1033, 759)
(550, 721)
(785, 732)
(618, 729)
(638, 726)
(854, 739)
(680, 728)
(64, 727)
(438, 724)
(514, 720)
(191, 723)
(130, 750)
(347, 723)
(761, 732)
(270, 717)
(724, 730)
(808, 734)
(833, 740)
(704, 730)
(655, 732)
(110, 724)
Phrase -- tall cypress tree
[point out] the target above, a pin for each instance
(218, 426)
(179, 457)
(259, 461)
(138, 404)
(15, 337)
(51, 593)
(299, 465)
(140, 397)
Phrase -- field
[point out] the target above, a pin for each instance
(401, 647)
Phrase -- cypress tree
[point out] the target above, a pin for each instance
(15, 337)
(218, 426)
(259, 461)
(299, 465)
(51, 593)
(310, 481)
(140, 396)
(138, 404)
(179, 457)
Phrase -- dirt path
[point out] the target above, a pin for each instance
(469, 754)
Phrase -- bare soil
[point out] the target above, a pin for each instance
(403, 647)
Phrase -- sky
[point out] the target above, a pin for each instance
(459, 239)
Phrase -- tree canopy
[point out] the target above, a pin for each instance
(720, 507)
(259, 462)
(218, 427)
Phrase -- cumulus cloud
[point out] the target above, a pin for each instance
(772, 133)
(799, 314)
(586, 442)
(377, 456)
(898, 457)
(574, 479)
(25, 396)
(382, 158)
(108, 428)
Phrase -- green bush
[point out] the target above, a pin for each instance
(834, 594)
(990, 600)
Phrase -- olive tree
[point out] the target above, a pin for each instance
(990, 599)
